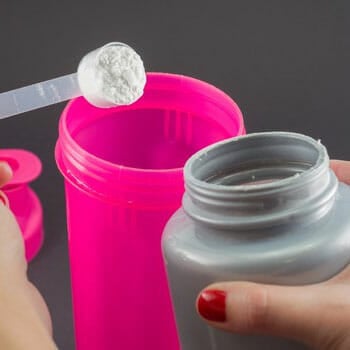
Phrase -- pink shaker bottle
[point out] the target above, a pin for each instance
(123, 180)
(23, 201)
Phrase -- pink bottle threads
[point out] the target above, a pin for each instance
(123, 180)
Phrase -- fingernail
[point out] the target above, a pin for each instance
(212, 305)
(4, 199)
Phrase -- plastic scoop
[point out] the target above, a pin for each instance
(109, 76)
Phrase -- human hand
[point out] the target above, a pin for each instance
(317, 315)
(24, 319)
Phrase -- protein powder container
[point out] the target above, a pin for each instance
(264, 208)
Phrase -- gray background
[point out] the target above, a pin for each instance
(286, 63)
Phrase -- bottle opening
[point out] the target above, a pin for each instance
(262, 159)
(136, 153)
(259, 180)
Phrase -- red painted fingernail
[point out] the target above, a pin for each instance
(4, 199)
(212, 305)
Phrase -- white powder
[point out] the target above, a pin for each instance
(112, 75)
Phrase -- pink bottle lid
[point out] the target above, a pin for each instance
(23, 201)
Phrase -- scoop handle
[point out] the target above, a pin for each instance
(39, 95)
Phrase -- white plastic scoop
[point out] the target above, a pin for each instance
(109, 76)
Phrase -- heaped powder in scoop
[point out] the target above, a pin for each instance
(112, 75)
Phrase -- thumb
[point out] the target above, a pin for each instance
(341, 169)
(309, 314)
(12, 258)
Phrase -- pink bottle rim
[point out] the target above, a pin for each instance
(97, 176)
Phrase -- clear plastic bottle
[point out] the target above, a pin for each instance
(264, 208)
